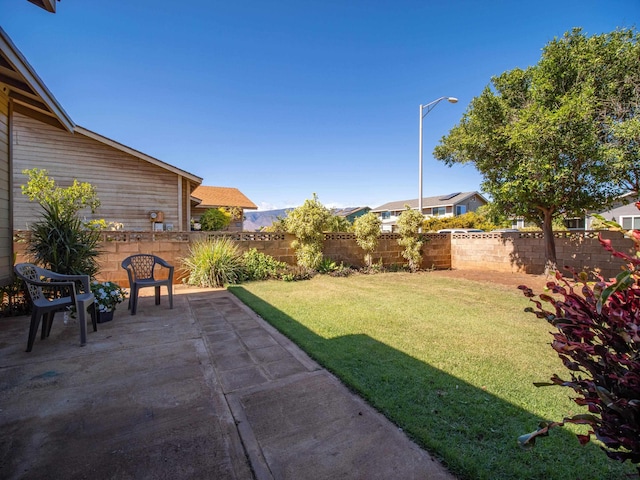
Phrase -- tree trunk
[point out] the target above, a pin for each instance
(551, 263)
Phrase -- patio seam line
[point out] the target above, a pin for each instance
(213, 382)
(248, 442)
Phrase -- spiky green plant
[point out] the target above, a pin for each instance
(213, 263)
(61, 243)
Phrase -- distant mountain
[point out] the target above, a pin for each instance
(254, 221)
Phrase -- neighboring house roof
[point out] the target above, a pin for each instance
(29, 94)
(213, 197)
(429, 202)
(136, 153)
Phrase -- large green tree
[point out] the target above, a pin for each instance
(559, 138)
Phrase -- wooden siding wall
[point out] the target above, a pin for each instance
(128, 187)
(6, 228)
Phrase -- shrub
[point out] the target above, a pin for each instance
(215, 219)
(14, 301)
(367, 230)
(336, 223)
(70, 200)
(61, 243)
(598, 340)
(295, 273)
(409, 224)
(467, 220)
(342, 271)
(213, 263)
(307, 223)
(258, 266)
(327, 266)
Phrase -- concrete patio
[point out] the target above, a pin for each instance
(207, 390)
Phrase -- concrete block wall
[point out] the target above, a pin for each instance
(525, 251)
(506, 252)
(342, 247)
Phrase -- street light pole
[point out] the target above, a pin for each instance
(428, 107)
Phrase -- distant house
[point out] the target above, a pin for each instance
(350, 213)
(624, 212)
(449, 205)
(203, 198)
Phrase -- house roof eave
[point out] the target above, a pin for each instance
(31, 92)
(48, 5)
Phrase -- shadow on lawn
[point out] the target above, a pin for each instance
(471, 430)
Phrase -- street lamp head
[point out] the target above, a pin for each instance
(424, 110)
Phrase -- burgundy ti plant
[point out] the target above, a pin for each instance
(598, 339)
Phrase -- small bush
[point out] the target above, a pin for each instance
(368, 229)
(296, 273)
(307, 223)
(215, 219)
(326, 265)
(342, 271)
(376, 268)
(14, 301)
(258, 266)
(409, 224)
(213, 263)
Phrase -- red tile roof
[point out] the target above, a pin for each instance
(212, 197)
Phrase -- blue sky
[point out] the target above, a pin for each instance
(287, 98)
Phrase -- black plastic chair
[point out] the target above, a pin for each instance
(52, 292)
(141, 271)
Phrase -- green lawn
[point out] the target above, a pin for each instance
(452, 362)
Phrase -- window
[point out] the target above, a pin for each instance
(461, 209)
(385, 215)
(630, 223)
(436, 211)
(574, 223)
